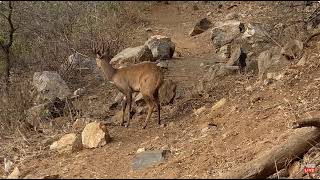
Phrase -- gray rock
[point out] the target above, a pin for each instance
(292, 49)
(163, 64)
(50, 85)
(200, 27)
(167, 92)
(254, 33)
(149, 158)
(132, 56)
(224, 52)
(78, 60)
(270, 61)
(162, 47)
(225, 32)
(79, 92)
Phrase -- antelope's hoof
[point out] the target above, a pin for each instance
(126, 126)
(144, 127)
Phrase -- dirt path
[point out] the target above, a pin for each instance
(249, 122)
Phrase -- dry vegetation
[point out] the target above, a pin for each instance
(255, 117)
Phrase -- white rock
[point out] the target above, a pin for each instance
(94, 135)
(199, 111)
(15, 174)
(7, 165)
(219, 104)
(67, 144)
(141, 150)
(79, 91)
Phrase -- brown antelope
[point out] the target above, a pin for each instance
(145, 77)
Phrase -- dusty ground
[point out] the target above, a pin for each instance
(250, 122)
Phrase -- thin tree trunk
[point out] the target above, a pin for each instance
(7, 67)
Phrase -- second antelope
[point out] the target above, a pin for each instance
(145, 77)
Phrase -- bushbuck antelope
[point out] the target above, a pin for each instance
(145, 77)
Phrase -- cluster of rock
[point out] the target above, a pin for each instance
(241, 47)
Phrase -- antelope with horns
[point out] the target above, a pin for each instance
(145, 77)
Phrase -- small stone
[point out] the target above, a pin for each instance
(93, 97)
(249, 88)
(199, 111)
(204, 130)
(149, 158)
(163, 64)
(219, 104)
(165, 147)
(79, 91)
(302, 61)
(171, 124)
(209, 13)
(201, 64)
(7, 165)
(15, 174)
(141, 150)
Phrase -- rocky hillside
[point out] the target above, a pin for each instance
(241, 83)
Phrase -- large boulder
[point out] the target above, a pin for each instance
(200, 27)
(167, 92)
(292, 49)
(225, 32)
(94, 135)
(50, 85)
(162, 47)
(132, 56)
(67, 144)
(270, 61)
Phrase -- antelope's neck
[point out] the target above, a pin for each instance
(107, 70)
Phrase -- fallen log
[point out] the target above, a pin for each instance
(296, 145)
(307, 123)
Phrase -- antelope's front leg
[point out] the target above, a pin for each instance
(129, 102)
(124, 105)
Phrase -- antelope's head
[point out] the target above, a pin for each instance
(101, 54)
